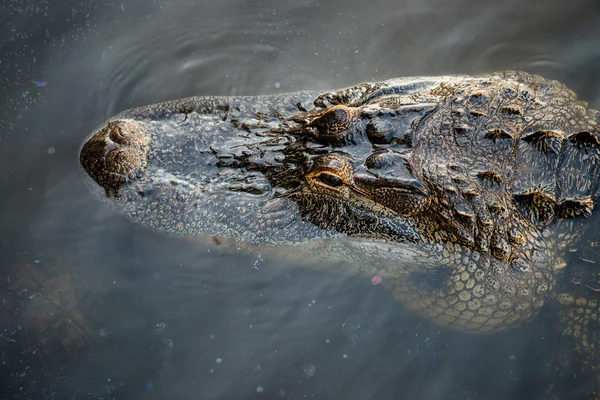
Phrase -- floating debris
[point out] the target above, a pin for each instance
(260, 389)
(166, 354)
(51, 150)
(256, 368)
(149, 384)
(39, 83)
(103, 333)
(376, 280)
(111, 386)
(309, 370)
(219, 360)
(159, 327)
(588, 261)
(345, 355)
(281, 392)
(258, 263)
(356, 327)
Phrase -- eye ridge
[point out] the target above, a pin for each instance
(330, 179)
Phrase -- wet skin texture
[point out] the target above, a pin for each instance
(462, 192)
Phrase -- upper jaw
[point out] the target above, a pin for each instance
(191, 166)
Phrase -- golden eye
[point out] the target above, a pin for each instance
(330, 180)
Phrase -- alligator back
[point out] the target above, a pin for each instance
(514, 133)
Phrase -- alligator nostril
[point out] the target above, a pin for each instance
(127, 131)
(120, 161)
(117, 134)
(116, 154)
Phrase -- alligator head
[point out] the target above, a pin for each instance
(275, 170)
(390, 178)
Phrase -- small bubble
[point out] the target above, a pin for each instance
(219, 360)
(326, 340)
(345, 355)
(277, 85)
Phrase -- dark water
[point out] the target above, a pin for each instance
(93, 306)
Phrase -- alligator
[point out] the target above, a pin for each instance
(463, 193)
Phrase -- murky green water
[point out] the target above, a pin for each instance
(95, 307)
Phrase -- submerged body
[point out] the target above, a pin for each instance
(462, 192)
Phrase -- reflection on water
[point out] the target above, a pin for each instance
(94, 307)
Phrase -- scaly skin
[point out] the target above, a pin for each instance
(462, 192)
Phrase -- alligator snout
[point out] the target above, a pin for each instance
(116, 153)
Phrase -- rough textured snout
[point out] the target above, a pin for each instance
(116, 153)
(204, 166)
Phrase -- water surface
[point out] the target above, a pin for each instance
(146, 316)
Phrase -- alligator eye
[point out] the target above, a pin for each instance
(330, 180)
(335, 120)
